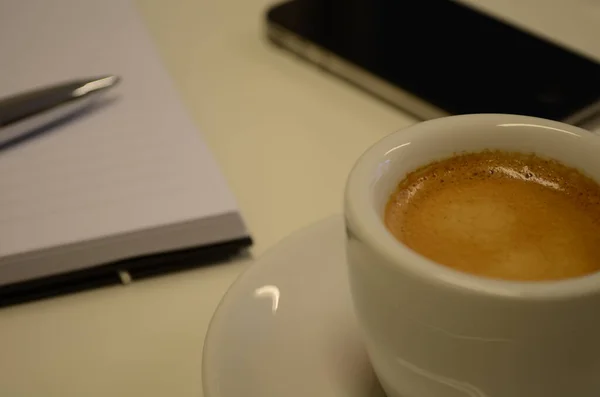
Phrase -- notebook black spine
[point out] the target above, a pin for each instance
(121, 272)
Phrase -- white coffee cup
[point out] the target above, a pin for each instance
(432, 331)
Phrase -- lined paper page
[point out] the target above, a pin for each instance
(136, 162)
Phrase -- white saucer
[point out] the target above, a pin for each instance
(286, 326)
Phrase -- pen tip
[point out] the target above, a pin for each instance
(96, 84)
(108, 81)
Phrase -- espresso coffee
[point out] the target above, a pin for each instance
(501, 215)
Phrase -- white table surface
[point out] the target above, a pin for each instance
(285, 135)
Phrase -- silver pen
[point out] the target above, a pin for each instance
(27, 112)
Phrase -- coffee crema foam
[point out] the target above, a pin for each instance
(501, 215)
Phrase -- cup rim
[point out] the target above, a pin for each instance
(369, 227)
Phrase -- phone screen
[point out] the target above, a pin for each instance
(454, 57)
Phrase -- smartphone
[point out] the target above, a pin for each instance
(438, 57)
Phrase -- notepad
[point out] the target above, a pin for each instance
(130, 179)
